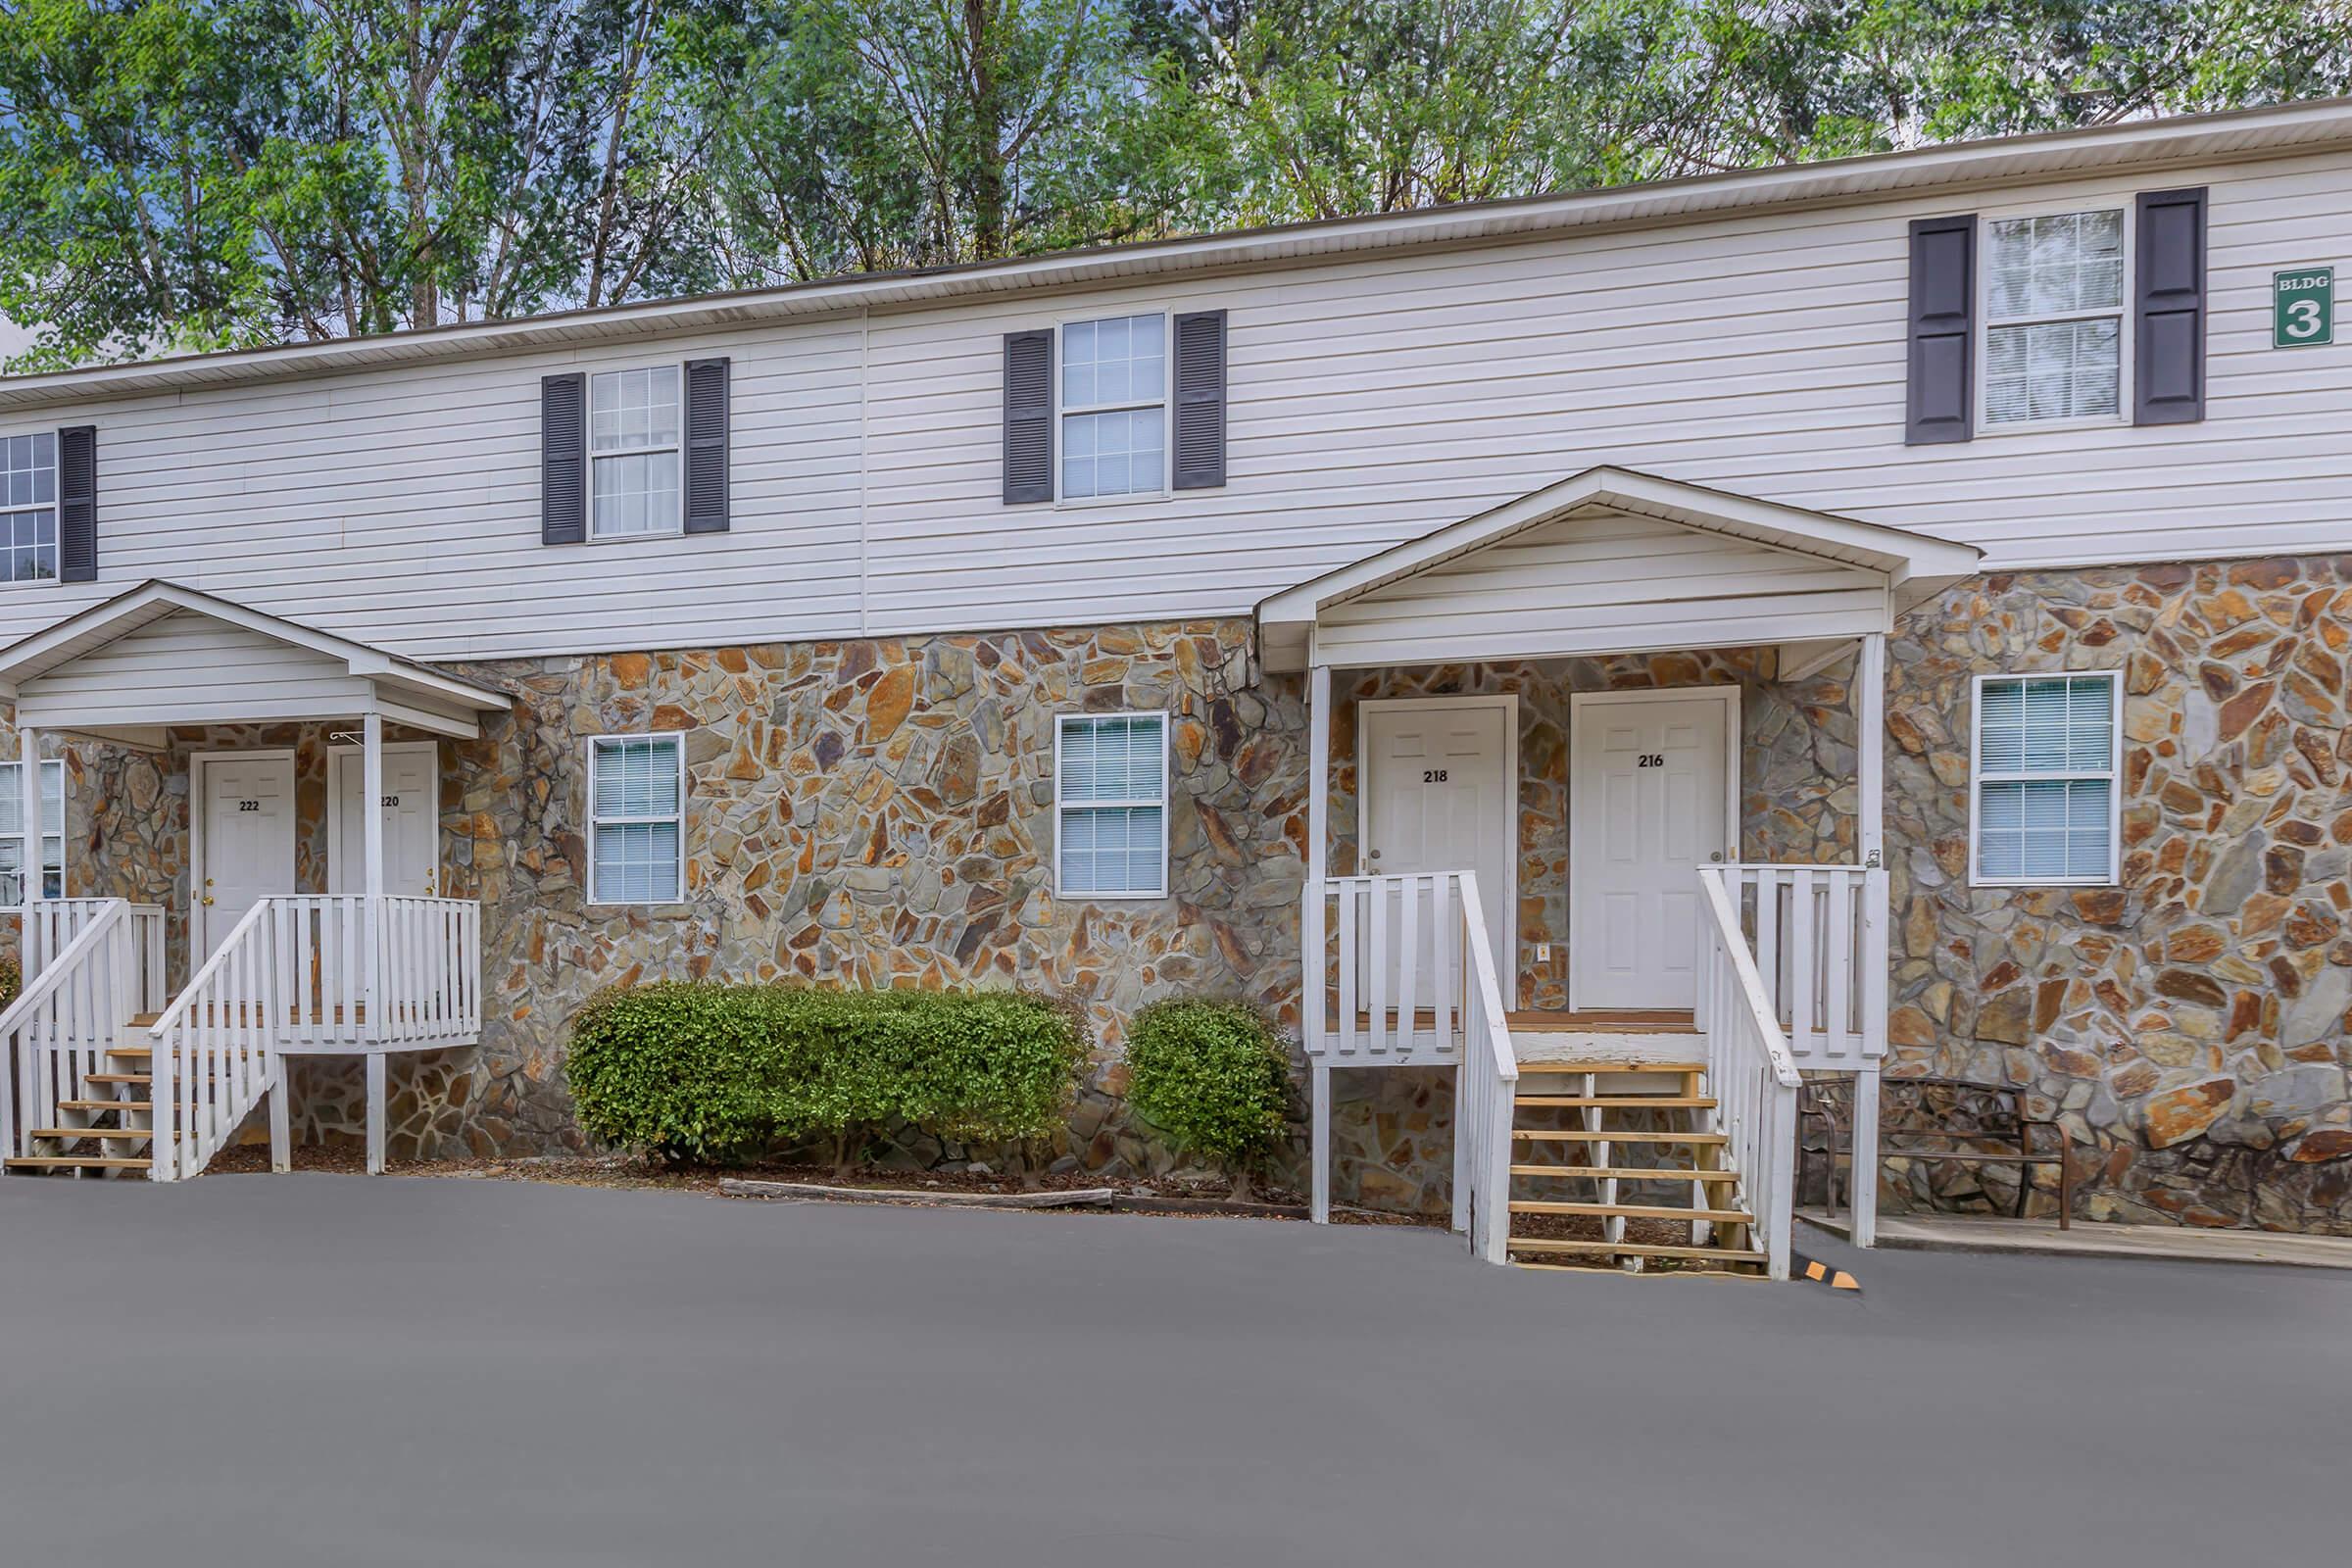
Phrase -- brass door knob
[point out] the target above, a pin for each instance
(208, 900)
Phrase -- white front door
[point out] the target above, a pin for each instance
(1648, 805)
(1439, 794)
(411, 812)
(248, 848)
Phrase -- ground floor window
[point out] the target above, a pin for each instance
(11, 832)
(2044, 777)
(636, 820)
(1111, 805)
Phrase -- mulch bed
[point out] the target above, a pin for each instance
(1144, 1195)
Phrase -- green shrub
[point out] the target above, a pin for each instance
(12, 980)
(1215, 1078)
(699, 1070)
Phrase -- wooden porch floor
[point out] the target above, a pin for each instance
(1598, 1021)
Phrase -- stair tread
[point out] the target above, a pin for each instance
(1526, 1067)
(90, 1132)
(1719, 1217)
(1633, 1173)
(1719, 1254)
(1607, 1135)
(1623, 1101)
(1615, 1272)
(117, 1078)
(104, 1104)
(85, 1162)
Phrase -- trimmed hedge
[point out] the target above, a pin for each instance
(1213, 1076)
(700, 1070)
(12, 981)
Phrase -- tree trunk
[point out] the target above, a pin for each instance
(987, 134)
(1241, 1184)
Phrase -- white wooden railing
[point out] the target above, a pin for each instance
(431, 971)
(1750, 1069)
(1398, 968)
(1819, 935)
(214, 1051)
(77, 1007)
(1485, 1094)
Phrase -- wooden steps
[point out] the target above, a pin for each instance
(1627, 1173)
(104, 1104)
(1618, 1135)
(136, 1078)
(1600, 1233)
(1622, 1101)
(1713, 1216)
(67, 1134)
(78, 1162)
(1717, 1254)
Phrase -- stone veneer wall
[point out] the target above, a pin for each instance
(2189, 1022)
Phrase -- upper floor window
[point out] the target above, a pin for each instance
(634, 448)
(1111, 805)
(2054, 292)
(2046, 801)
(1114, 407)
(11, 831)
(29, 507)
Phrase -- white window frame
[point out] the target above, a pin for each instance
(1166, 404)
(676, 738)
(12, 778)
(677, 521)
(1981, 348)
(1167, 731)
(1977, 778)
(54, 505)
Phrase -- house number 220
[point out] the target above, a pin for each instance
(1652, 760)
(1432, 775)
(392, 801)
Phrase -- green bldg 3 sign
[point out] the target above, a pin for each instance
(2302, 307)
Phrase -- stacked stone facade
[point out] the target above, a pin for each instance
(880, 813)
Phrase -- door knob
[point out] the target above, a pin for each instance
(1716, 855)
(208, 900)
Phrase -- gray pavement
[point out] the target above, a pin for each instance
(319, 1369)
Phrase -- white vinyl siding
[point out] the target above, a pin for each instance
(634, 454)
(1113, 399)
(11, 832)
(1600, 583)
(1374, 398)
(29, 508)
(1111, 805)
(2045, 754)
(636, 820)
(189, 668)
(2054, 291)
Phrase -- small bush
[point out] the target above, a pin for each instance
(699, 1070)
(1215, 1078)
(12, 980)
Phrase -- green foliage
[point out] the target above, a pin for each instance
(1214, 1077)
(207, 173)
(699, 1070)
(12, 980)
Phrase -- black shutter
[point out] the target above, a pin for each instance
(1028, 417)
(78, 504)
(705, 446)
(2167, 346)
(1201, 400)
(563, 460)
(1942, 401)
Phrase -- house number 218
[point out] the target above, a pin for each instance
(1432, 775)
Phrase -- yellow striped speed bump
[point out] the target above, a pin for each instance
(1820, 1273)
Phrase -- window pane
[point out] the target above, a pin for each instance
(1111, 361)
(2056, 263)
(1112, 759)
(636, 778)
(636, 494)
(2053, 371)
(2047, 725)
(631, 410)
(2043, 829)
(1111, 850)
(1112, 454)
(637, 863)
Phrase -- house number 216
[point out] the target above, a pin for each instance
(1652, 760)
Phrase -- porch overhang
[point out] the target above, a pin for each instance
(1612, 560)
(160, 655)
